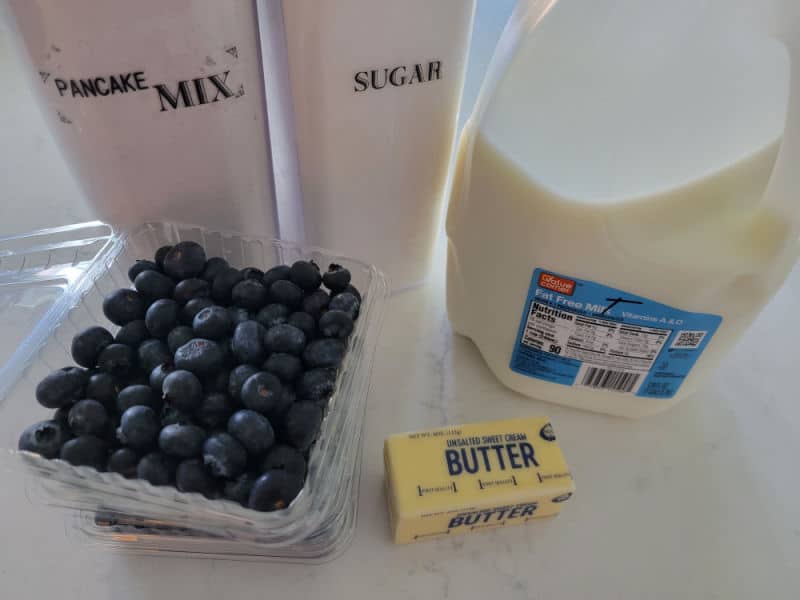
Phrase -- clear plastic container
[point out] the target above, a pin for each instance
(52, 284)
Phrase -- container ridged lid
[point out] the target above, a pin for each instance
(40, 272)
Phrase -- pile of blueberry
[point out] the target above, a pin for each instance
(216, 382)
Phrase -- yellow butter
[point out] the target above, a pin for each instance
(469, 478)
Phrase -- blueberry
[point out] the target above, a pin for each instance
(109, 434)
(137, 395)
(238, 315)
(103, 388)
(316, 303)
(155, 468)
(88, 417)
(215, 410)
(284, 458)
(152, 353)
(301, 424)
(135, 377)
(239, 489)
(351, 289)
(212, 323)
(305, 323)
(123, 461)
(222, 287)
(224, 456)
(87, 451)
(317, 385)
(139, 427)
(253, 273)
(123, 306)
(118, 360)
(161, 254)
(252, 430)
(274, 490)
(161, 318)
(132, 334)
(61, 388)
(287, 367)
(214, 266)
(62, 415)
(191, 289)
(262, 393)
(324, 353)
(217, 383)
(200, 356)
(45, 438)
(285, 338)
(183, 441)
(192, 476)
(279, 273)
(185, 260)
(172, 416)
(273, 314)
(193, 308)
(140, 266)
(183, 390)
(286, 293)
(248, 343)
(249, 294)
(336, 324)
(288, 398)
(237, 378)
(178, 337)
(336, 279)
(346, 302)
(157, 377)
(226, 345)
(87, 345)
(154, 285)
(306, 275)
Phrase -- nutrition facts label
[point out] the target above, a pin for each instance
(601, 344)
(620, 347)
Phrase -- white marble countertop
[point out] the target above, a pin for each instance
(700, 502)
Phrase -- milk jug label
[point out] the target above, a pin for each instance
(584, 334)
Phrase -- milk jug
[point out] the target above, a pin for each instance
(158, 107)
(625, 200)
(375, 92)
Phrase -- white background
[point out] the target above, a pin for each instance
(700, 502)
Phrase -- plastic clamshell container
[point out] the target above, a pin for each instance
(52, 284)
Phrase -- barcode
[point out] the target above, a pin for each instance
(689, 340)
(605, 379)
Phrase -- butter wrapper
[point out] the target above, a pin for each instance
(467, 478)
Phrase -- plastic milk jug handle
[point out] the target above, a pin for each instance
(783, 192)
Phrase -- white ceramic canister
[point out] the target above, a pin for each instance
(376, 88)
(157, 106)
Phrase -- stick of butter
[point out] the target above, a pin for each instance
(469, 478)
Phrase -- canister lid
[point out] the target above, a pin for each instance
(41, 274)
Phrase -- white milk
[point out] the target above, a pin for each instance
(619, 165)
(158, 106)
(376, 86)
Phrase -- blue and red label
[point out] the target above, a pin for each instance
(580, 333)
